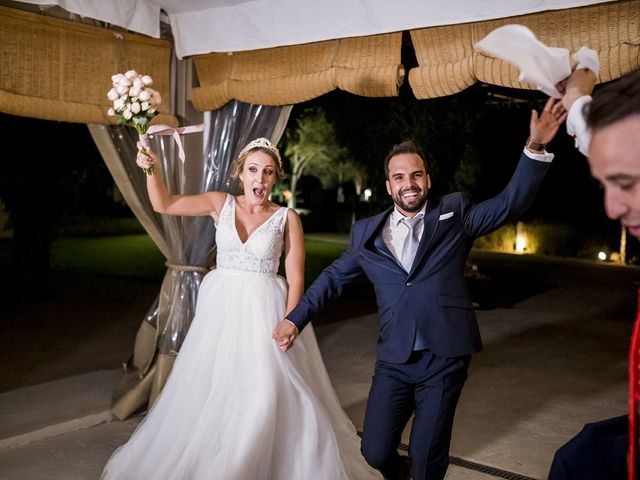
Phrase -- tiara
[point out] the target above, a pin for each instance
(262, 143)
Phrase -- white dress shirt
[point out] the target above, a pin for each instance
(541, 157)
(395, 232)
(577, 124)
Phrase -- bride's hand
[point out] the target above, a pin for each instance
(285, 334)
(146, 158)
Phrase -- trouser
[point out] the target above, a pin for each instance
(428, 386)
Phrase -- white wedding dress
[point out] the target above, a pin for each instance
(235, 407)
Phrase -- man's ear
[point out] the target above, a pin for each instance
(388, 187)
(428, 182)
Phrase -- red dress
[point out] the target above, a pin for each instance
(634, 394)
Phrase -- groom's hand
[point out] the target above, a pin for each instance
(284, 334)
(543, 126)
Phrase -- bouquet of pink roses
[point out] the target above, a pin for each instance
(135, 103)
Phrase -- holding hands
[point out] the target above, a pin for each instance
(284, 334)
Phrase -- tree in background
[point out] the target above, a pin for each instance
(347, 170)
(368, 127)
(472, 141)
(312, 148)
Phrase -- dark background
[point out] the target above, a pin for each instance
(52, 178)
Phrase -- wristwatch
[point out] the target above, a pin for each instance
(534, 146)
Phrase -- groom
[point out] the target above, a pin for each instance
(414, 255)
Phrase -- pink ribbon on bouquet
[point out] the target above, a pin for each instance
(162, 129)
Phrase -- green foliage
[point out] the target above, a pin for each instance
(502, 240)
(312, 148)
(472, 140)
(555, 238)
(548, 238)
(468, 170)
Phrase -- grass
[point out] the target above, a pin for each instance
(123, 255)
(137, 255)
(319, 254)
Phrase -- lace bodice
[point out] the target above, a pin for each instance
(260, 253)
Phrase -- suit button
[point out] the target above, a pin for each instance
(409, 284)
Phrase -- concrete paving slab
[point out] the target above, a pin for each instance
(81, 455)
(79, 450)
(35, 413)
(555, 358)
(78, 455)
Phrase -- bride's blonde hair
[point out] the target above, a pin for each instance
(264, 145)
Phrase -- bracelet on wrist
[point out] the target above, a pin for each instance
(534, 146)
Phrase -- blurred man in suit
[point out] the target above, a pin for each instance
(607, 130)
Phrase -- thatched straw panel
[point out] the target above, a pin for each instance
(368, 66)
(448, 63)
(61, 70)
(445, 58)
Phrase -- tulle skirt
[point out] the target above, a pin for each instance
(237, 408)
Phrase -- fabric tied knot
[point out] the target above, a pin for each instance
(162, 129)
(186, 268)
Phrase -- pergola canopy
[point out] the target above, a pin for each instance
(277, 52)
(262, 52)
(205, 26)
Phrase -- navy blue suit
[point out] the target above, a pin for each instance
(432, 297)
(598, 452)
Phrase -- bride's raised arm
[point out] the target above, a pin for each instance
(202, 204)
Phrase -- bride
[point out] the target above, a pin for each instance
(235, 407)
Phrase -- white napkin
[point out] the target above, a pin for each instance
(539, 64)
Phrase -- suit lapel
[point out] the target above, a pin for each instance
(373, 243)
(374, 247)
(429, 231)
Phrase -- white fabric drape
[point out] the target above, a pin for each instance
(187, 242)
(203, 26)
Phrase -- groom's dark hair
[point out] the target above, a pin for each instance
(617, 101)
(405, 147)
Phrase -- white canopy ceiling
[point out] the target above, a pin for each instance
(204, 26)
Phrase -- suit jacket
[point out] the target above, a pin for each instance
(433, 296)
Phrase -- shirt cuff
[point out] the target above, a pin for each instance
(292, 323)
(577, 125)
(540, 157)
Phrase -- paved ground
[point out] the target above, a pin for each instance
(556, 338)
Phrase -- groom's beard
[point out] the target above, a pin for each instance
(411, 206)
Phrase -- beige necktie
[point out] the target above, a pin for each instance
(409, 250)
(411, 241)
